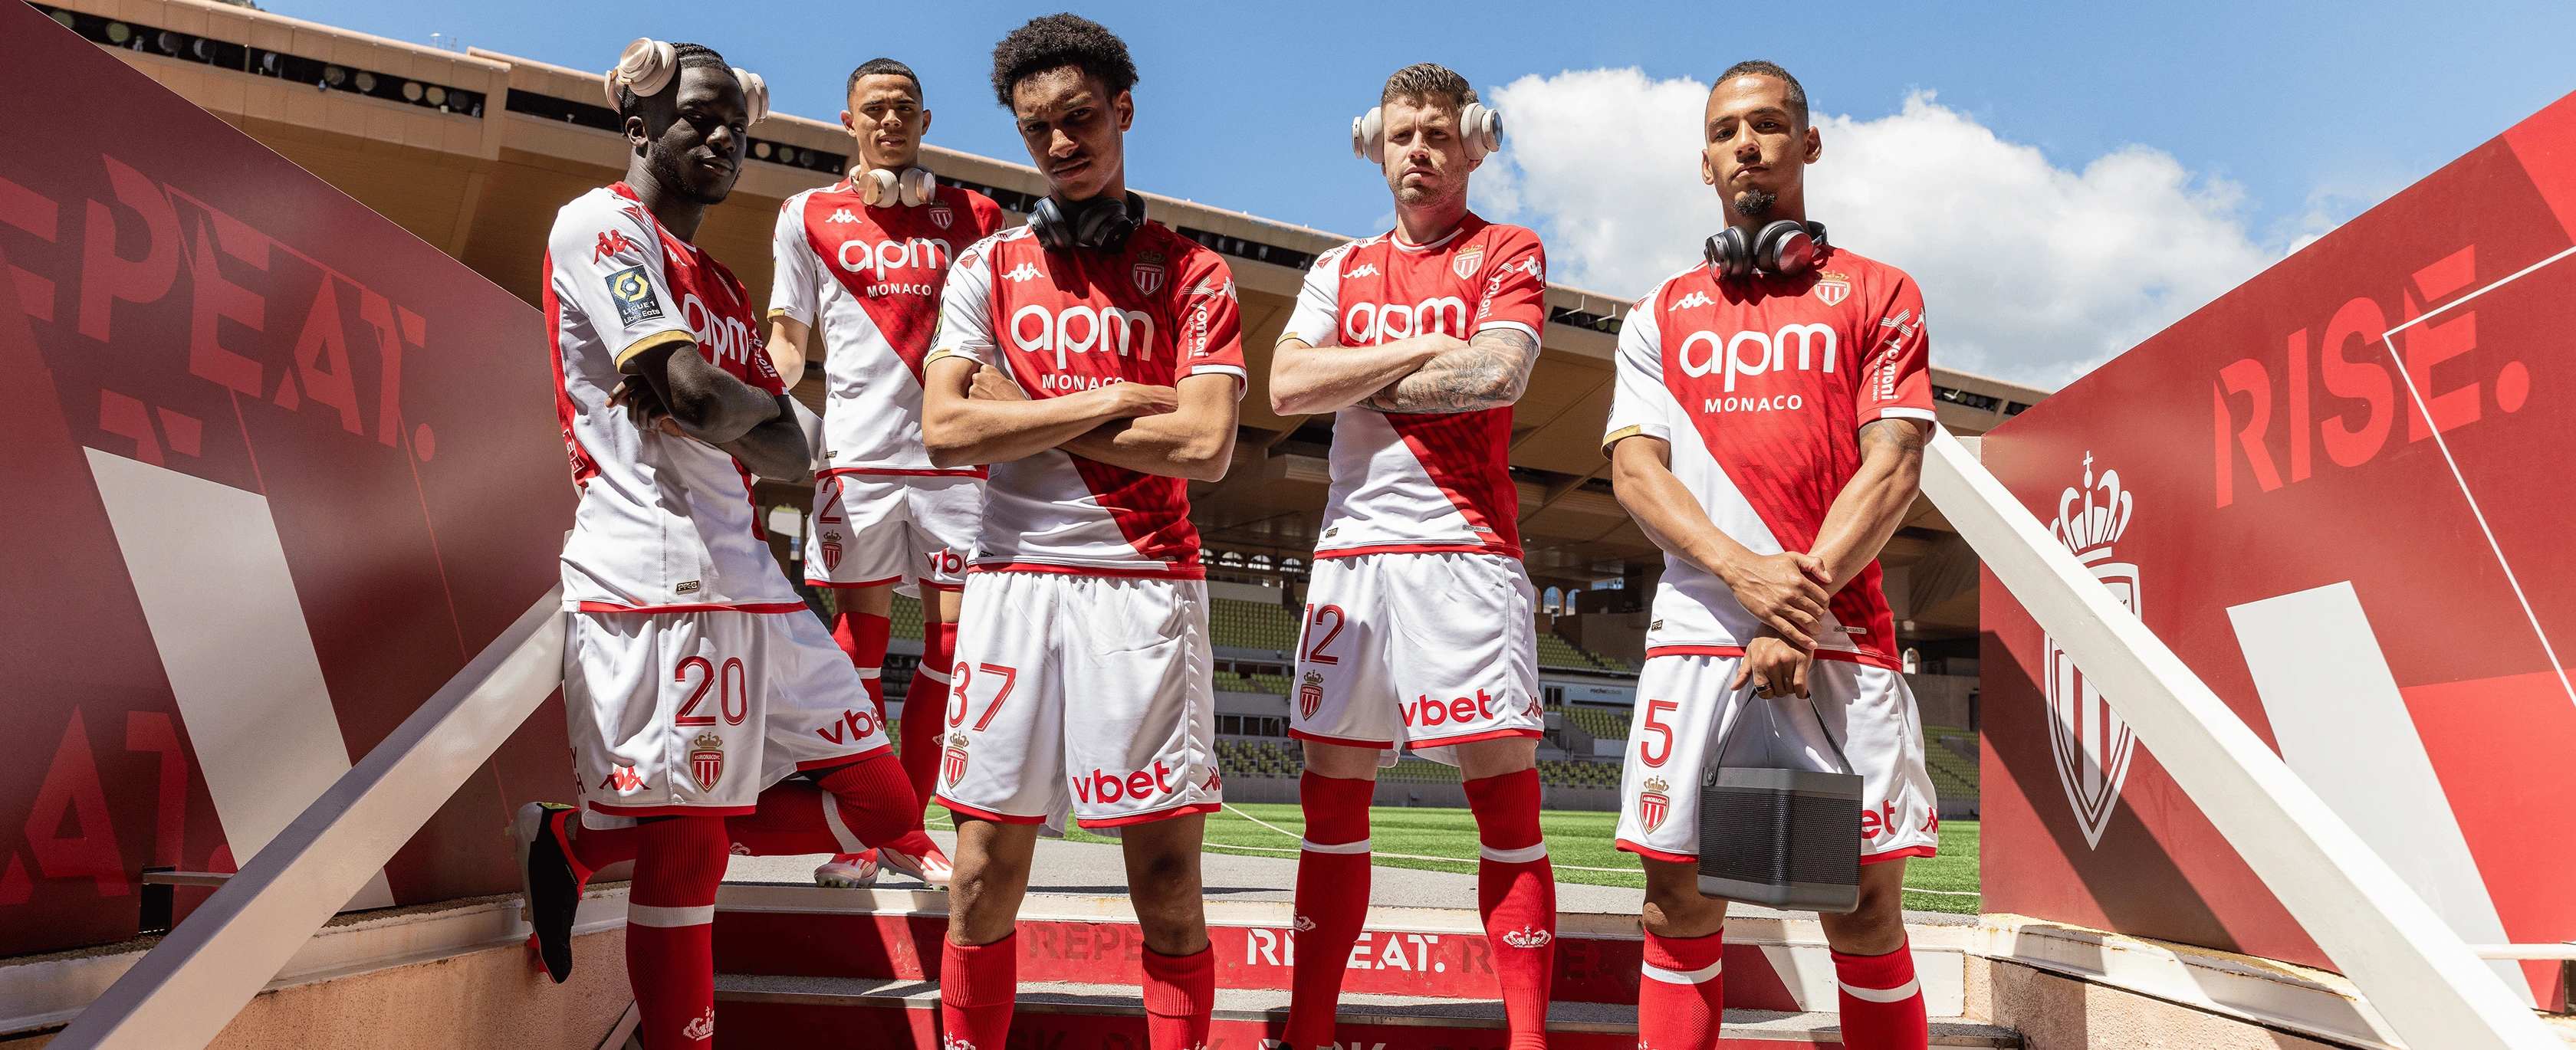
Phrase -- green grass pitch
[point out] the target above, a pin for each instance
(1575, 842)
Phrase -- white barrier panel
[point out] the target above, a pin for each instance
(183, 993)
(2417, 973)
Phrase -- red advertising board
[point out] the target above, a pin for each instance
(2335, 493)
(277, 469)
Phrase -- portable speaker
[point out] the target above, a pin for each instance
(1777, 835)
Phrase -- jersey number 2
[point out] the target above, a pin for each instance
(733, 692)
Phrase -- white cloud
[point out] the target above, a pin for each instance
(2030, 272)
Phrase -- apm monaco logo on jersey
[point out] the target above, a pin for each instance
(1468, 259)
(1148, 273)
(1654, 803)
(1833, 288)
(1366, 323)
(1770, 352)
(941, 215)
(2090, 742)
(707, 760)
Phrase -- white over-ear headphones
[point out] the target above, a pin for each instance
(1481, 128)
(648, 65)
(884, 187)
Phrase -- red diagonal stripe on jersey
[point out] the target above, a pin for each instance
(1464, 453)
(904, 320)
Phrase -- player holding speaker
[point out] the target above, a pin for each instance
(1419, 628)
(1095, 360)
(1767, 431)
(706, 707)
(863, 261)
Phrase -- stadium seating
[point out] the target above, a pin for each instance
(907, 617)
(1954, 775)
(1603, 723)
(1251, 625)
(1578, 774)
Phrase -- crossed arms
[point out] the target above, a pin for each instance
(1425, 373)
(972, 413)
(689, 396)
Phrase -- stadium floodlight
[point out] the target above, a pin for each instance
(118, 33)
(411, 91)
(2414, 969)
(366, 82)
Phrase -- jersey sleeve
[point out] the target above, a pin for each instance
(1896, 377)
(608, 265)
(1638, 397)
(987, 215)
(1515, 294)
(965, 310)
(795, 286)
(1315, 318)
(1210, 340)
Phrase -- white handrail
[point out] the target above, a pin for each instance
(2416, 972)
(183, 992)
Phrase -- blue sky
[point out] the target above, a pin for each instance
(2309, 112)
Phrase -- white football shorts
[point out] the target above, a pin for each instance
(1088, 694)
(1418, 650)
(914, 530)
(1683, 706)
(697, 712)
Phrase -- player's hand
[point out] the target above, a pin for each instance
(643, 406)
(991, 384)
(1785, 591)
(1775, 667)
(1140, 399)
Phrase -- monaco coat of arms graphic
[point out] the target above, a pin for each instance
(2089, 742)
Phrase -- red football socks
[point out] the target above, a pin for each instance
(1680, 992)
(670, 919)
(925, 706)
(1882, 1003)
(1516, 893)
(864, 637)
(977, 985)
(856, 807)
(876, 802)
(594, 848)
(1180, 993)
(1332, 902)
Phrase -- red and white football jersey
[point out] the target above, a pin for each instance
(1761, 386)
(1421, 481)
(868, 281)
(665, 523)
(1158, 312)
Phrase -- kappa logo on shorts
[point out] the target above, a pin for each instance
(707, 760)
(622, 780)
(1654, 803)
(636, 302)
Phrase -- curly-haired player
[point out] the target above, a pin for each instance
(1094, 360)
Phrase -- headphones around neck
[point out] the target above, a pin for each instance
(1481, 128)
(886, 187)
(1783, 248)
(1101, 223)
(648, 65)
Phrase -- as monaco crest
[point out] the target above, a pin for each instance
(952, 762)
(1654, 802)
(2091, 743)
(941, 215)
(1833, 289)
(1467, 261)
(1148, 273)
(831, 548)
(706, 760)
(1310, 694)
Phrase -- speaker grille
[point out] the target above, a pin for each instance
(1776, 837)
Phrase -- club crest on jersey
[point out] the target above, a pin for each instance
(1833, 288)
(831, 548)
(1148, 273)
(2090, 742)
(952, 762)
(1467, 261)
(706, 760)
(1310, 695)
(1654, 802)
(941, 215)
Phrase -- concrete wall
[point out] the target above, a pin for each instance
(1943, 698)
(2055, 1012)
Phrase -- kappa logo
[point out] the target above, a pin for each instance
(842, 215)
(612, 242)
(1020, 273)
(1691, 300)
(2090, 742)
(622, 780)
(702, 1029)
(1365, 270)
(1529, 937)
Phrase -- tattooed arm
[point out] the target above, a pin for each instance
(1873, 503)
(1489, 372)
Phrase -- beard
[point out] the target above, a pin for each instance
(1754, 204)
(666, 168)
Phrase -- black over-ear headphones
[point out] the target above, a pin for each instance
(1784, 248)
(1102, 223)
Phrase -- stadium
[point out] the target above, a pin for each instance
(2143, 909)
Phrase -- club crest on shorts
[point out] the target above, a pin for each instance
(1148, 273)
(706, 760)
(1310, 694)
(1833, 288)
(952, 762)
(1654, 803)
(2090, 742)
(1468, 259)
(941, 215)
(831, 548)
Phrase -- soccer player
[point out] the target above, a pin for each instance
(1419, 628)
(864, 261)
(1767, 431)
(1094, 359)
(706, 706)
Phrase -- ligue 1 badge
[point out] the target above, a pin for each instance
(706, 760)
(1148, 273)
(1833, 288)
(1468, 258)
(1654, 802)
(2090, 743)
